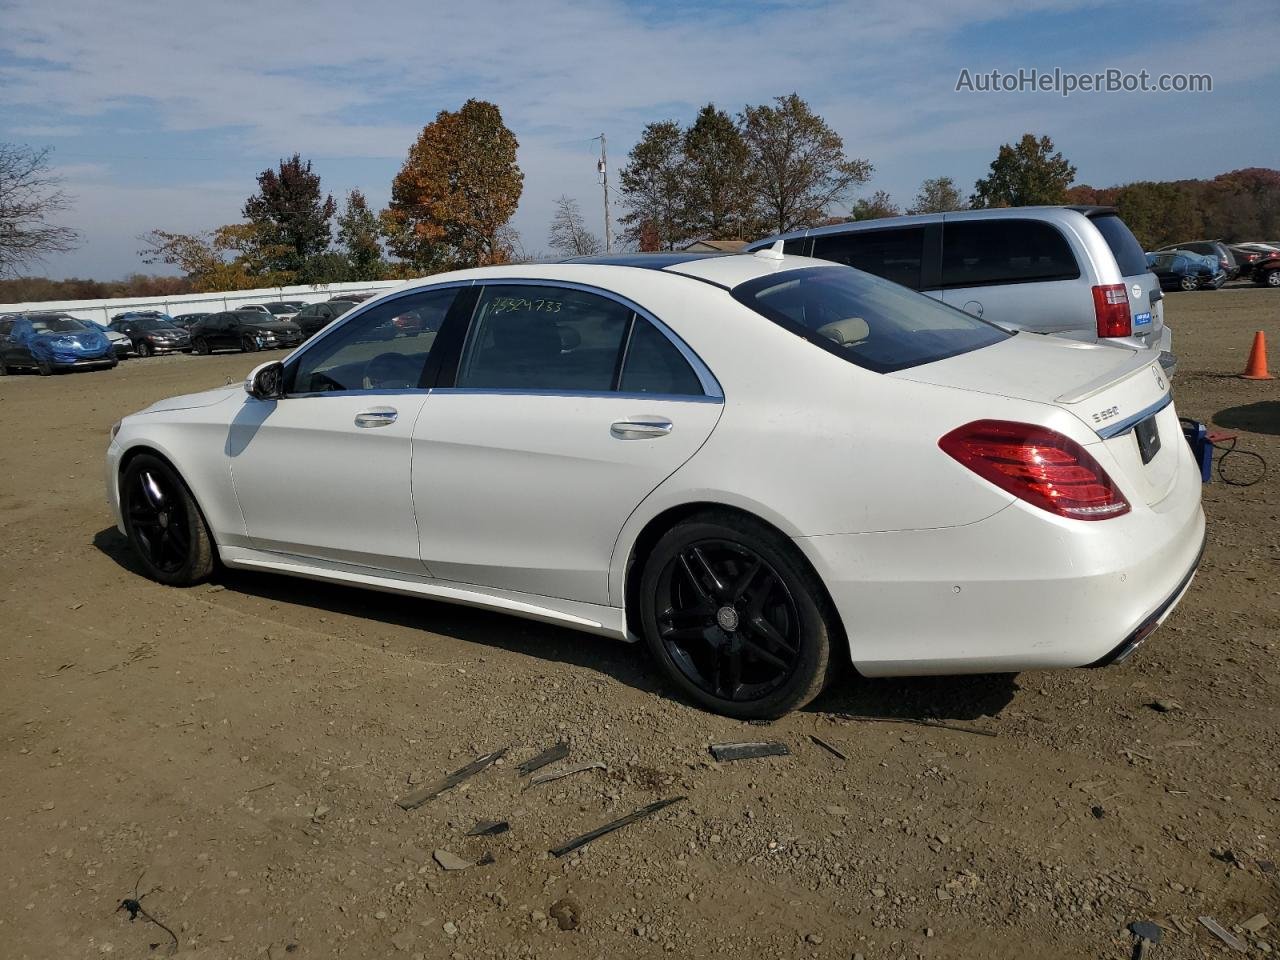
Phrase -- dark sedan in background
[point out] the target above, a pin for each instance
(1186, 270)
(246, 330)
(314, 317)
(151, 335)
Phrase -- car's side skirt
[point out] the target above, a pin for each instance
(590, 618)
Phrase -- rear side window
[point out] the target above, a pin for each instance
(1124, 245)
(978, 253)
(798, 246)
(865, 320)
(893, 254)
(654, 365)
(543, 338)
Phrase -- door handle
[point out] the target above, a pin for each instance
(640, 428)
(376, 417)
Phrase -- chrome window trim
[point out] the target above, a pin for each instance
(706, 379)
(359, 310)
(589, 394)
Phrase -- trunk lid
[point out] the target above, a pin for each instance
(1121, 395)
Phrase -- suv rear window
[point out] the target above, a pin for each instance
(1124, 245)
(865, 320)
(979, 253)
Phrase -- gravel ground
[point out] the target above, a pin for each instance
(240, 747)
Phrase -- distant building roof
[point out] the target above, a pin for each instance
(716, 246)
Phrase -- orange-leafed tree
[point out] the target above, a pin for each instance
(456, 191)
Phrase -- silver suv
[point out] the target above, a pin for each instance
(1074, 272)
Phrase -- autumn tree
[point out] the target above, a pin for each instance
(718, 190)
(238, 256)
(878, 205)
(290, 214)
(937, 195)
(652, 187)
(30, 195)
(360, 238)
(1025, 174)
(797, 163)
(457, 189)
(569, 234)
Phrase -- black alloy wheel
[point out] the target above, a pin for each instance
(248, 343)
(736, 618)
(164, 524)
(200, 345)
(145, 349)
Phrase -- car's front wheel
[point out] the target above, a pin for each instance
(201, 346)
(164, 524)
(145, 349)
(248, 343)
(44, 367)
(1272, 278)
(736, 618)
(1189, 282)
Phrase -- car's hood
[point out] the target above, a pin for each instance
(192, 400)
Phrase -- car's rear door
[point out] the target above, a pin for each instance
(568, 406)
(325, 471)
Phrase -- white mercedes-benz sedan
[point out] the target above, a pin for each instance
(764, 466)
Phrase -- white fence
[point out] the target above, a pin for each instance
(103, 310)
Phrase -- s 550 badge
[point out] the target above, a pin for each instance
(1102, 416)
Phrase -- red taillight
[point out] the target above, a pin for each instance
(1037, 465)
(1111, 307)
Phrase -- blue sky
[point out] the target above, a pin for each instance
(161, 113)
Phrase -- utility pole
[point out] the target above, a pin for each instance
(602, 167)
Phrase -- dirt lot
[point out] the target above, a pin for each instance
(240, 747)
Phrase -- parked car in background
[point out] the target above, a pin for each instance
(246, 330)
(350, 297)
(666, 448)
(120, 344)
(1217, 249)
(151, 335)
(1074, 272)
(1266, 272)
(1185, 270)
(185, 320)
(277, 309)
(49, 342)
(314, 317)
(1247, 256)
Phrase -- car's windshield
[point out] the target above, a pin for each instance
(280, 308)
(868, 321)
(58, 325)
(151, 323)
(255, 318)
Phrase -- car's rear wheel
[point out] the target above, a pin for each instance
(1188, 282)
(164, 524)
(736, 618)
(1273, 278)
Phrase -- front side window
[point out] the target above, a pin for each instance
(371, 352)
(543, 338)
(870, 322)
(893, 254)
(979, 253)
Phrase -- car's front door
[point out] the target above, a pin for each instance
(325, 471)
(568, 407)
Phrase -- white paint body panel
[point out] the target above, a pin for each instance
(525, 502)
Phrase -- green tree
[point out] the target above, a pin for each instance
(290, 213)
(937, 195)
(1158, 213)
(878, 205)
(652, 187)
(456, 191)
(716, 179)
(798, 167)
(1027, 174)
(360, 237)
(237, 256)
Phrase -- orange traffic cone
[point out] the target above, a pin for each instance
(1256, 368)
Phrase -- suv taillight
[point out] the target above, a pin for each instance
(1111, 307)
(1038, 465)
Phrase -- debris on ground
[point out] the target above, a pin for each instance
(939, 724)
(827, 747)
(618, 824)
(489, 828)
(566, 912)
(419, 797)
(549, 755)
(548, 776)
(724, 752)
(1230, 939)
(450, 861)
(1165, 706)
(133, 906)
(1148, 935)
(1255, 923)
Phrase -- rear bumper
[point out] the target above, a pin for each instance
(1020, 590)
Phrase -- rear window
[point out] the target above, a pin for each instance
(867, 321)
(893, 254)
(979, 253)
(1124, 245)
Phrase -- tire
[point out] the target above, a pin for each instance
(1272, 279)
(164, 524)
(4, 368)
(754, 646)
(44, 367)
(1189, 283)
(146, 350)
(201, 346)
(248, 344)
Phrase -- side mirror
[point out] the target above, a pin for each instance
(266, 381)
